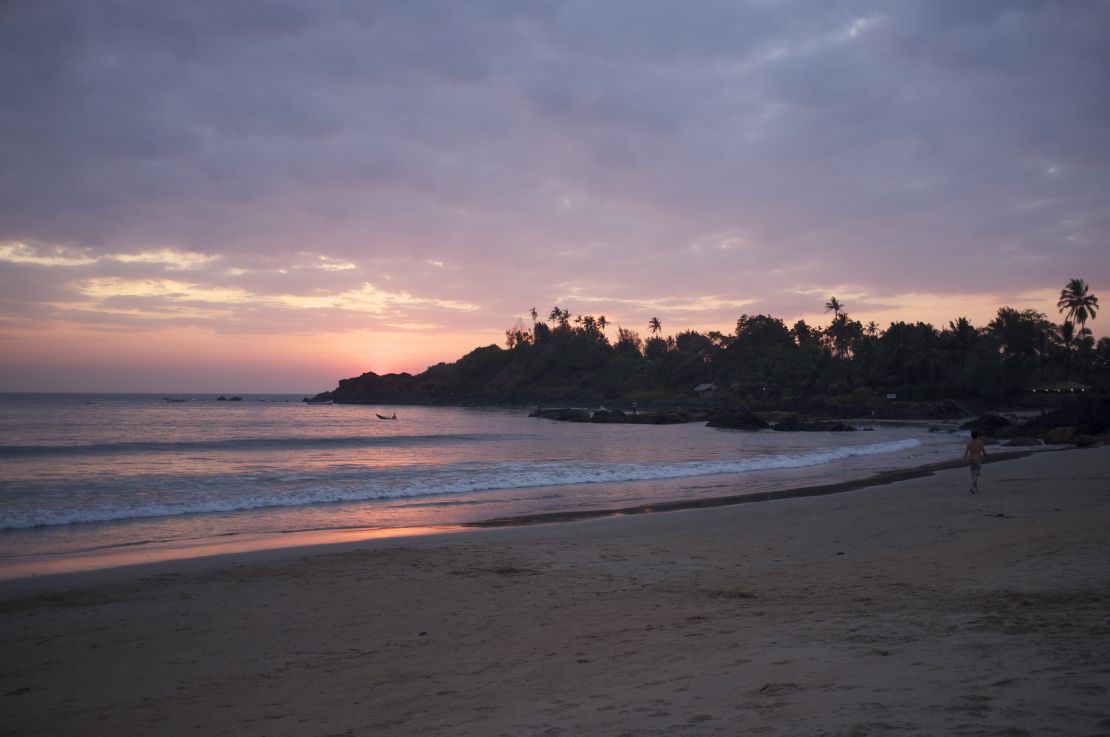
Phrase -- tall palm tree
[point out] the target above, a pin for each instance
(843, 333)
(1067, 337)
(834, 306)
(654, 325)
(533, 313)
(1079, 305)
(560, 316)
(964, 337)
(602, 323)
(1077, 302)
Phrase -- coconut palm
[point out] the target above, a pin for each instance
(1080, 306)
(1077, 302)
(1067, 337)
(602, 323)
(963, 337)
(560, 316)
(843, 333)
(533, 313)
(834, 306)
(655, 326)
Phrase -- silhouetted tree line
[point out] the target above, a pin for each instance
(764, 361)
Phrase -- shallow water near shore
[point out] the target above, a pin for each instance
(85, 474)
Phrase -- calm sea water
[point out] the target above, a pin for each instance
(87, 473)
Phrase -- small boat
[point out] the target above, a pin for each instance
(387, 417)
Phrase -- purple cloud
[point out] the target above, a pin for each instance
(497, 155)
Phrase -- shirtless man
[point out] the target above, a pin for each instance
(974, 453)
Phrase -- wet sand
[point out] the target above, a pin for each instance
(908, 608)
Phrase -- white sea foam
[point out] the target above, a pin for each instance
(169, 496)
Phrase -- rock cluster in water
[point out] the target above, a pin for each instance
(726, 419)
(1079, 422)
(618, 417)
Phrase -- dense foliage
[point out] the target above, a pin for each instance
(763, 361)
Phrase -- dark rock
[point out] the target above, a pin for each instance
(676, 417)
(987, 424)
(1060, 435)
(1088, 415)
(609, 416)
(796, 424)
(737, 421)
(563, 414)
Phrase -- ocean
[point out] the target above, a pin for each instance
(97, 480)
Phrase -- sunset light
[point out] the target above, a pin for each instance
(693, 172)
(554, 367)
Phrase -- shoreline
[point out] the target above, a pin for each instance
(196, 553)
(879, 479)
(910, 608)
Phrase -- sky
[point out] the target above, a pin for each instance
(261, 196)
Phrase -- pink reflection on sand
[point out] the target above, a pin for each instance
(43, 565)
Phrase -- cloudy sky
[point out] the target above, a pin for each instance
(265, 196)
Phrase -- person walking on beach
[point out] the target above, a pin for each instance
(974, 453)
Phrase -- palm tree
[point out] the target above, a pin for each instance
(1067, 337)
(1079, 305)
(560, 316)
(602, 323)
(964, 337)
(843, 333)
(834, 306)
(533, 313)
(654, 325)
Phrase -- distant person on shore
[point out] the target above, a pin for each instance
(974, 453)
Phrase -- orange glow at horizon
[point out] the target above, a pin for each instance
(165, 358)
(193, 359)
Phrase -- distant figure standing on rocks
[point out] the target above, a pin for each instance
(974, 453)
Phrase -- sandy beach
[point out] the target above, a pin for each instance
(913, 608)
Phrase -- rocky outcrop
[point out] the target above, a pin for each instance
(612, 416)
(1060, 435)
(617, 417)
(673, 417)
(797, 424)
(737, 421)
(988, 424)
(1087, 416)
(562, 414)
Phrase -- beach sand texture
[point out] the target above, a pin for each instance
(911, 609)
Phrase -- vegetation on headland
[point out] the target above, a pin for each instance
(763, 363)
